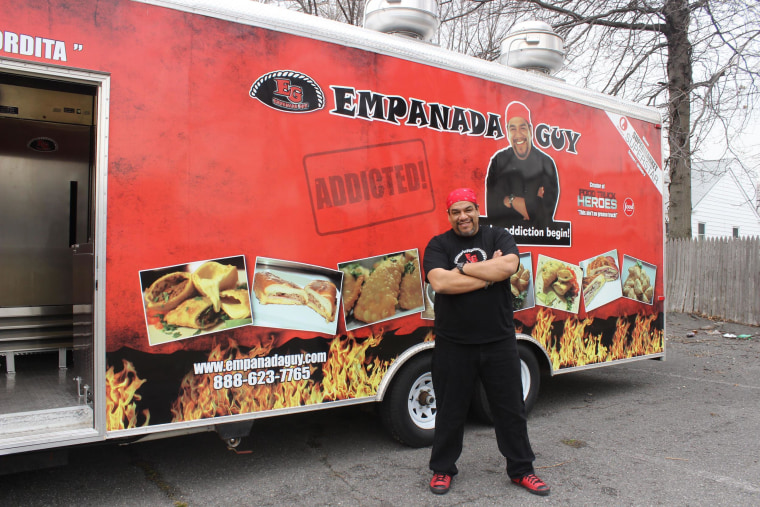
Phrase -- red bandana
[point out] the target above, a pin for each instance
(517, 109)
(461, 194)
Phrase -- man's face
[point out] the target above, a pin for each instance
(520, 136)
(463, 217)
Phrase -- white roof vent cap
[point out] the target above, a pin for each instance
(417, 19)
(533, 45)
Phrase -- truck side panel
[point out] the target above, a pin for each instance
(265, 152)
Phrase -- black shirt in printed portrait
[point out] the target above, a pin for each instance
(534, 179)
(477, 317)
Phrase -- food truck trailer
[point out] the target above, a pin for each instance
(212, 213)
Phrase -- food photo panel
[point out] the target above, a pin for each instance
(381, 288)
(638, 279)
(297, 296)
(557, 284)
(194, 299)
(601, 280)
(520, 283)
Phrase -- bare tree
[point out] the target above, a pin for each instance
(697, 60)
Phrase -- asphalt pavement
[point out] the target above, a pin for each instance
(684, 431)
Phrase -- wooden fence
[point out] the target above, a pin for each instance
(714, 277)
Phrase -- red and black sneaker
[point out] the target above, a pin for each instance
(532, 483)
(440, 484)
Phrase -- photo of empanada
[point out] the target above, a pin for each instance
(196, 298)
(197, 313)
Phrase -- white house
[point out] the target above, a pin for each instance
(725, 200)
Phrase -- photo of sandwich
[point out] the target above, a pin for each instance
(591, 287)
(194, 299)
(271, 289)
(601, 280)
(292, 295)
(381, 288)
(322, 297)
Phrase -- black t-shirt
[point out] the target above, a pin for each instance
(480, 316)
(509, 175)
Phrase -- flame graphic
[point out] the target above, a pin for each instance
(349, 372)
(121, 398)
(576, 347)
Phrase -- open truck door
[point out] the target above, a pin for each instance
(50, 143)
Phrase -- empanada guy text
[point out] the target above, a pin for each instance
(373, 106)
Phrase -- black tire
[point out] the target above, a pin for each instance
(408, 408)
(531, 376)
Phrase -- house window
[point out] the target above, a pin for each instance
(736, 232)
(701, 230)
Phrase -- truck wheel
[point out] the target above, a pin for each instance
(408, 409)
(531, 381)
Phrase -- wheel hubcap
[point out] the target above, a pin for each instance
(421, 402)
(525, 378)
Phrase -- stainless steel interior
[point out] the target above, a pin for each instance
(46, 261)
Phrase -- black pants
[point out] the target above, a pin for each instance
(455, 370)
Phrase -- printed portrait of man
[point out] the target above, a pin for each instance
(522, 186)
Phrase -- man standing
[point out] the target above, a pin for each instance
(522, 185)
(469, 269)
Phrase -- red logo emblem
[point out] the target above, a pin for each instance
(289, 91)
(628, 207)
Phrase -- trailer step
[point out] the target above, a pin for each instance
(39, 422)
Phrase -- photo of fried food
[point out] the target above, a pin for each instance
(519, 283)
(638, 284)
(557, 284)
(382, 287)
(196, 313)
(353, 279)
(175, 297)
(236, 303)
(380, 291)
(211, 278)
(549, 271)
(410, 294)
(168, 292)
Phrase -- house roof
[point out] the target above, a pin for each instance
(706, 174)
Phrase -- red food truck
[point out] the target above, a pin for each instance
(216, 213)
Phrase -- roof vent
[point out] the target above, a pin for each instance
(417, 19)
(533, 45)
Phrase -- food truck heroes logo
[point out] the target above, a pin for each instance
(286, 90)
(597, 201)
